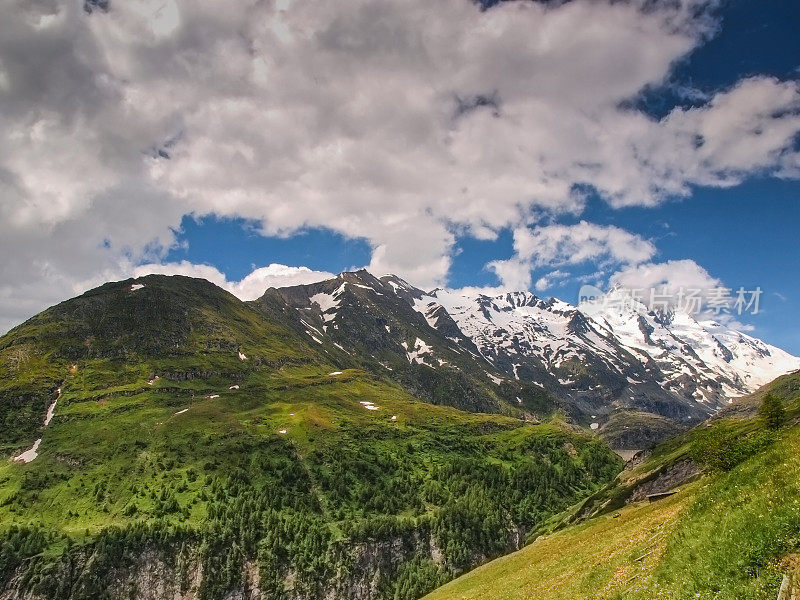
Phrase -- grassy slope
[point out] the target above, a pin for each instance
(726, 537)
(590, 560)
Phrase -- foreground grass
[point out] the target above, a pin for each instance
(597, 559)
(729, 536)
(731, 542)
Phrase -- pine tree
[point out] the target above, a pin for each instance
(772, 412)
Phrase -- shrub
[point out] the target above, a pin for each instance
(724, 445)
(771, 412)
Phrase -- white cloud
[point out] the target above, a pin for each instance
(562, 245)
(670, 275)
(675, 282)
(403, 122)
(550, 279)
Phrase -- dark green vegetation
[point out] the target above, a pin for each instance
(732, 535)
(201, 446)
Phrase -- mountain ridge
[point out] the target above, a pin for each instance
(595, 364)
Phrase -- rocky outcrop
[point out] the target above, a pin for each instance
(667, 480)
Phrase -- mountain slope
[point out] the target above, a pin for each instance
(179, 442)
(176, 328)
(732, 535)
(371, 323)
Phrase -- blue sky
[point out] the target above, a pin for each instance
(745, 235)
(536, 145)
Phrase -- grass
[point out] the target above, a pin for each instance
(597, 559)
(729, 536)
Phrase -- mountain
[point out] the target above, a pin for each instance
(162, 438)
(636, 375)
(360, 320)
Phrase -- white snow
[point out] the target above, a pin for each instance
(281, 431)
(242, 356)
(594, 425)
(51, 410)
(328, 302)
(180, 412)
(212, 396)
(29, 454)
(417, 353)
(310, 326)
(394, 417)
(369, 405)
(704, 350)
(335, 373)
(234, 387)
(497, 380)
(426, 308)
(32, 452)
(136, 286)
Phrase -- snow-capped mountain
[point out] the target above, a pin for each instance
(702, 360)
(596, 362)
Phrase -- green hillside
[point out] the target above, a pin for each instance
(201, 449)
(730, 535)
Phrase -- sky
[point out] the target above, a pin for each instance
(485, 147)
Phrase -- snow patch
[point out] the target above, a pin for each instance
(136, 286)
(416, 355)
(242, 356)
(327, 302)
(335, 373)
(180, 412)
(29, 454)
(51, 410)
(497, 380)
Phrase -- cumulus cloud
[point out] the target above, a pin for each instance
(687, 285)
(403, 122)
(670, 275)
(562, 245)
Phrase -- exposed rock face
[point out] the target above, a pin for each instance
(364, 572)
(669, 479)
